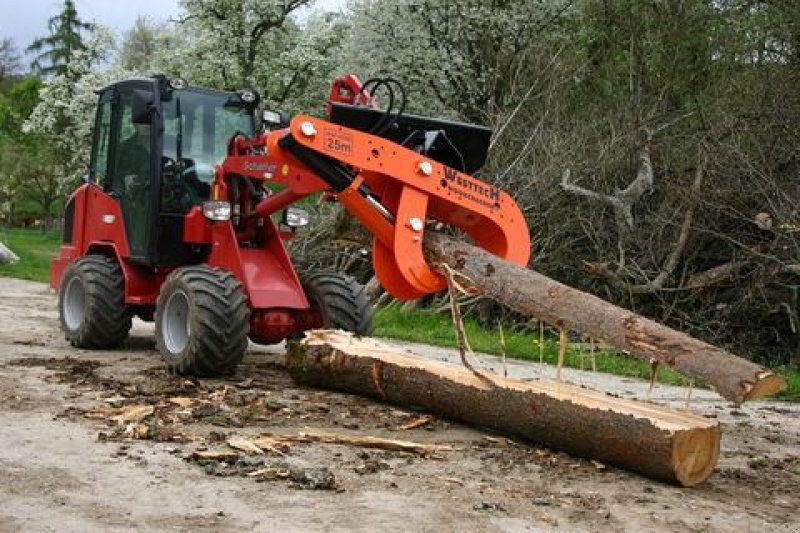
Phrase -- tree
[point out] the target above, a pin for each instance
(25, 161)
(64, 114)
(56, 50)
(17, 101)
(244, 43)
(9, 59)
(470, 57)
(142, 43)
(27, 173)
(228, 35)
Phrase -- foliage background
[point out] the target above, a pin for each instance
(677, 121)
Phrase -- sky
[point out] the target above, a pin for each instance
(25, 20)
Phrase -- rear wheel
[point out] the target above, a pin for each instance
(91, 303)
(341, 300)
(202, 321)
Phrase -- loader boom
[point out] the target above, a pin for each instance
(393, 191)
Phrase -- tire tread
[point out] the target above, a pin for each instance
(220, 321)
(343, 301)
(107, 319)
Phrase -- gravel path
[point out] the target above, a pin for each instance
(68, 467)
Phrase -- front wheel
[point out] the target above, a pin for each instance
(91, 303)
(202, 321)
(341, 301)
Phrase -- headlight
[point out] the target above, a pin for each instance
(295, 217)
(248, 96)
(178, 83)
(217, 210)
(274, 119)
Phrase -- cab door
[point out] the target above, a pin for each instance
(133, 174)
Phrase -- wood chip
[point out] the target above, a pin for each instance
(271, 444)
(451, 480)
(215, 455)
(246, 384)
(240, 443)
(116, 399)
(598, 465)
(98, 414)
(132, 413)
(138, 431)
(181, 401)
(415, 423)
(281, 473)
(373, 442)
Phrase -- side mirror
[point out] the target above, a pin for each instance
(141, 106)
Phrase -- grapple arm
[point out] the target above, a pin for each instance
(396, 192)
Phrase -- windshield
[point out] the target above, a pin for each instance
(199, 141)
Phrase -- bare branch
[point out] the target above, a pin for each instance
(644, 177)
(569, 186)
(622, 201)
(715, 275)
(641, 184)
(791, 269)
(686, 227)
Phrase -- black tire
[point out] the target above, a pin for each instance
(91, 303)
(341, 300)
(202, 321)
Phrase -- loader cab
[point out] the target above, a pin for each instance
(156, 144)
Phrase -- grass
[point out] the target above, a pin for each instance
(437, 329)
(792, 376)
(35, 249)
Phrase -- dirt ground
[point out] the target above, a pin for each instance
(109, 441)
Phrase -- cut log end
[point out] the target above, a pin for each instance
(656, 441)
(765, 384)
(695, 454)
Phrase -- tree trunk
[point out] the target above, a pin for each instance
(658, 442)
(537, 296)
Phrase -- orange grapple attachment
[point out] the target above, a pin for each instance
(415, 190)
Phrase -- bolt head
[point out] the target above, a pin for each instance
(308, 129)
(425, 168)
(416, 224)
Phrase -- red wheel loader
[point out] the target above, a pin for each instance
(182, 216)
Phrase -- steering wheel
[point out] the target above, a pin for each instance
(175, 175)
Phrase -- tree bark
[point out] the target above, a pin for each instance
(535, 295)
(655, 441)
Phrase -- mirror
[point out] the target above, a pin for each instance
(141, 104)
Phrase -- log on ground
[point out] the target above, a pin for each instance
(656, 441)
(535, 295)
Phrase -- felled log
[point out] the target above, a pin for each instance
(535, 295)
(656, 441)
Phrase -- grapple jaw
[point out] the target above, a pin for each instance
(399, 194)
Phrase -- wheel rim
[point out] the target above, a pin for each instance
(74, 304)
(175, 323)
